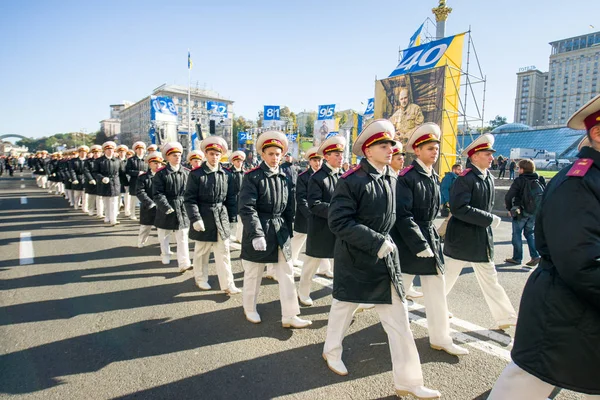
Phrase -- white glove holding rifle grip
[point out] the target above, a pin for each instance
(259, 244)
(105, 180)
(386, 248)
(496, 221)
(93, 182)
(199, 226)
(75, 182)
(425, 253)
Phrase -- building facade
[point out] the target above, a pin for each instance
(571, 81)
(136, 121)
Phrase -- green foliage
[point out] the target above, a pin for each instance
(240, 124)
(310, 125)
(498, 121)
(69, 140)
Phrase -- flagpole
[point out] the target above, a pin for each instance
(189, 101)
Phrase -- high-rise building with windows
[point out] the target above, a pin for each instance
(571, 81)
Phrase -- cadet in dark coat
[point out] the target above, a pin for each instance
(320, 241)
(361, 214)
(469, 239)
(65, 175)
(210, 202)
(134, 167)
(143, 184)
(167, 192)
(237, 176)
(419, 246)
(315, 161)
(557, 341)
(76, 169)
(53, 180)
(267, 216)
(95, 203)
(106, 174)
(124, 197)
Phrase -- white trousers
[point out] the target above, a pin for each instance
(502, 310)
(38, 180)
(517, 384)
(111, 207)
(77, 198)
(127, 202)
(310, 267)
(183, 248)
(85, 202)
(287, 289)
(406, 363)
(221, 250)
(133, 201)
(239, 229)
(70, 196)
(144, 234)
(297, 242)
(434, 297)
(99, 206)
(42, 181)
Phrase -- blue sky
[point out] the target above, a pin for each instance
(62, 63)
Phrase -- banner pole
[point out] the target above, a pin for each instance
(189, 114)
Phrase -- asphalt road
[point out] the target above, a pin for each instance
(91, 316)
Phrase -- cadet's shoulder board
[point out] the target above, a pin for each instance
(226, 169)
(161, 168)
(186, 169)
(351, 171)
(253, 169)
(580, 167)
(143, 173)
(465, 172)
(405, 170)
(195, 168)
(303, 172)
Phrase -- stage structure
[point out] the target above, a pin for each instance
(435, 81)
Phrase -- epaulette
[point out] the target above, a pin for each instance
(161, 168)
(303, 172)
(351, 171)
(186, 169)
(143, 173)
(405, 170)
(581, 167)
(227, 169)
(253, 169)
(466, 171)
(195, 168)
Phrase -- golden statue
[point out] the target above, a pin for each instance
(441, 12)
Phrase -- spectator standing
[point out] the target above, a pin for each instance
(445, 186)
(522, 200)
(511, 169)
(502, 167)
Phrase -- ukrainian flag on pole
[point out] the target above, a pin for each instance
(415, 39)
(190, 64)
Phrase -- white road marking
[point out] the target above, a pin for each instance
(23, 200)
(22, 186)
(25, 249)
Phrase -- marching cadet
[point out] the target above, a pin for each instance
(43, 169)
(152, 148)
(415, 235)
(469, 238)
(168, 188)
(52, 170)
(143, 187)
(65, 176)
(122, 151)
(315, 161)
(320, 241)
(106, 173)
(134, 167)
(77, 172)
(210, 205)
(556, 341)
(237, 175)
(367, 270)
(195, 158)
(267, 214)
(94, 205)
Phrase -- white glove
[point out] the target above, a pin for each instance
(425, 253)
(152, 206)
(105, 180)
(141, 172)
(496, 221)
(386, 248)
(53, 174)
(199, 226)
(93, 182)
(75, 182)
(170, 211)
(40, 170)
(259, 244)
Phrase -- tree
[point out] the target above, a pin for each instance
(240, 124)
(498, 121)
(310, 125)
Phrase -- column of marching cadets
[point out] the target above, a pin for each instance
(370, 228)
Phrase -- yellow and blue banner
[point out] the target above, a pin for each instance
(430, 55)
(415, 39)
(190, 64)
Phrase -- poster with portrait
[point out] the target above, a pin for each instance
(412, 99)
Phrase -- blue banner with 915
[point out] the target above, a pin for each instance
(326, 112)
